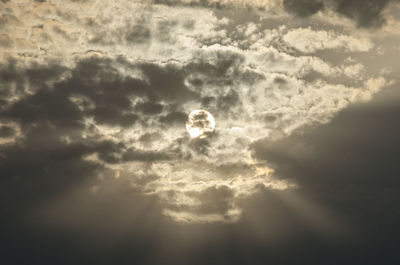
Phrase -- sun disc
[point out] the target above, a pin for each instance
(200, 124)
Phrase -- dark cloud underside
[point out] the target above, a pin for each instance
(365, 13)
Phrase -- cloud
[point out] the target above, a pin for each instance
(367, 14)
(115, 101)
(347, 164)
(343, 159)
(309, 41)
(303, 8)
(93, 148)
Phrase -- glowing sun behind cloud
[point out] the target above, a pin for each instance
(200, 124)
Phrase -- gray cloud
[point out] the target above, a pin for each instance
(368, 14)
(303, 8)
(348, 164)
(127, 113)
(93, 147)
(345, 151)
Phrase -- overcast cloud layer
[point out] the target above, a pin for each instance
(94, 96)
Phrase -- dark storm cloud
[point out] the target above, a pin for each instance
(350, 166)
(366, 13)
(37, 76)
(303, 8)
(50, 157)
(110, 95)
(168, 83)
(45, 106)
(351, 150)
(53, 104)
(99, 88)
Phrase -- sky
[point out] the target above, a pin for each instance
(97, 167)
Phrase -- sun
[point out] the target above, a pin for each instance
(200, 124)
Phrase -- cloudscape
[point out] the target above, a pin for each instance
(199, 132)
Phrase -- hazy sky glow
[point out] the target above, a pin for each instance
(94, 96)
